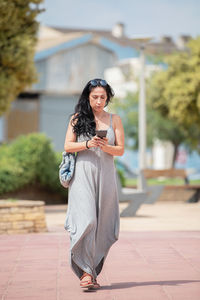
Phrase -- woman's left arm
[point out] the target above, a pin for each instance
(118, 148)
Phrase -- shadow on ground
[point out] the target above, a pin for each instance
(125, 285)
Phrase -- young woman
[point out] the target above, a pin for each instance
(93, 212)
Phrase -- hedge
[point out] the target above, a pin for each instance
(29, 159)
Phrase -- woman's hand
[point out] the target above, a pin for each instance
(102, 142)
(93, 142)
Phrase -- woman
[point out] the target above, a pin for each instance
(93, 212)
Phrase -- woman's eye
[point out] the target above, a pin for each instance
(101, 98)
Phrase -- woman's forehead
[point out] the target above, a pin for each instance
(98, 91)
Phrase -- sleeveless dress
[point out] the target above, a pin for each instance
(92, 216)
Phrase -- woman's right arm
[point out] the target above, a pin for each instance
(71, 145)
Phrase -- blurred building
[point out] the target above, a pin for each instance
(66, 58)
(124, 77)
(65, 62)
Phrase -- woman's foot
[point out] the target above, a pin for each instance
(96, 284)
(86, 281)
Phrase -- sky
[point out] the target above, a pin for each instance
(153, 18)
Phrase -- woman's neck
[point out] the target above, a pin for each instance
(99, 115)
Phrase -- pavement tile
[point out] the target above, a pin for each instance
(186, 291)
(30, 297)
(140, 266)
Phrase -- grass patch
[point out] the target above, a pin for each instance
(11, 200)
(164, 181)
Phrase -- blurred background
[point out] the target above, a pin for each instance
(148, 51)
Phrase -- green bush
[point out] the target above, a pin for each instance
(121, 177)
(11, 175)
(29, 159)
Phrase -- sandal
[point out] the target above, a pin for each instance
(86, 283)
(96, 284)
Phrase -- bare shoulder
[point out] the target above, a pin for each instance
(116, 120)
(116, 117)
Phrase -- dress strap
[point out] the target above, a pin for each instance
(110, 120)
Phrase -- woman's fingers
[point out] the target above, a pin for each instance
(105, 139)
(98, 142)
(103, 142)
(94, 142)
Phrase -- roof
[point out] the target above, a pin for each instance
(60, 45)
(54, 39)
(50, 49)
(45, 43)
(51, 41)
(107, 34)
(164, 46)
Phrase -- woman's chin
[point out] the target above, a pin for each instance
(98, 109)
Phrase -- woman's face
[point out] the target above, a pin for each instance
(97, 98)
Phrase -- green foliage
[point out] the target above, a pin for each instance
(175, 92)
(121, 177)
(172, 108)
(18, 29)
(130, 182)
(163, 128)
(29, 159)
(127, 109)
(11, 175)
(157, 126)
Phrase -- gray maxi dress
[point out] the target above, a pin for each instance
(92, 216)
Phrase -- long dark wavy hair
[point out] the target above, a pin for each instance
(83, 121)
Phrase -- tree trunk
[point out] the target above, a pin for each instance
(175, 154)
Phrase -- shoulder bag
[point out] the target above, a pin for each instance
(67, 168)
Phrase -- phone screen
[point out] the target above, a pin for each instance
(101, 133)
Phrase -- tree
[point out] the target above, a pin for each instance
(173, 103)
(18, 29)
(157, 125)
(175, 92)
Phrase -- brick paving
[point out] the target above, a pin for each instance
(148, 265)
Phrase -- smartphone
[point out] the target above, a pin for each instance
(101, 133)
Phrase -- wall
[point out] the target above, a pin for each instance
(162, 154)
(55, 113)
(69, 70)
(23, 118)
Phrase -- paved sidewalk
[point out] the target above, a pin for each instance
(140, 266)
(159, 216)
(157, 257)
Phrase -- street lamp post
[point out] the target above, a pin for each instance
(142, 104)
(140, 43)
(142, 112)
